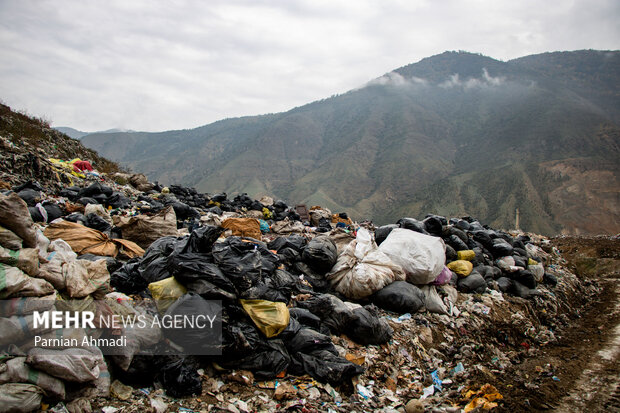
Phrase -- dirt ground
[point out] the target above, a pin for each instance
(581, 372)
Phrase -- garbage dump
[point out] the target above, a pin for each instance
(321, 314)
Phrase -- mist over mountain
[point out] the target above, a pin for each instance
(78, 134)
(454, 134)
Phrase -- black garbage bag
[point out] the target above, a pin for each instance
(505, 284)
(184, 211)
(457, 243)
(382, 232)
(526, 278)
(500, 248)
(523, 291)
(30, 196)
(320, 254)
(201, 240)
(244, 261)
(307, 340)
(100, 198)
(400, 297)
(412, 224)
(305, 317)
(434, 224)
(289, 256)
(276, 287)
(326, 366)
(69, 194)
(325, 225)
(179, 378)
(520, 261)
(461, 224)
(76, 217)
(485, 238)
(316, 280)
(143, 368)
(550, 279)
(53, 211)
(295, 242)
(365, 326)
(473, 283)
(94, 221)
(86, 200)
(280, 206)
(36, 214)
(203, 277)
(118, 200)
(96, 189)
(450, 254)
(332, 311)
(127, 279)
(520, 252)
(196, 339)
(154, 264)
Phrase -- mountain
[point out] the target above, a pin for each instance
(455, 134)
(28, 142)
(78, 134)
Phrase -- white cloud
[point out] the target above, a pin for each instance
(180, 64)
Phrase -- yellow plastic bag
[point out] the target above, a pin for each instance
(462, 268)
(467, 255)
(270, 317)
(166, 292)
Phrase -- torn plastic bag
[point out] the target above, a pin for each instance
(399, 297)
(72, 364)
(422, 257)
(473, 283)
(412, 225)
(432, 300)
(320, 254)
(382, 232)
(244, 261)
(15, 216)
(271, 318)
(277, 287)
(179, 378)
(363, 269)
(16, 370)
(196, 339)
(20, 398)
(316, 280)
(325, 366)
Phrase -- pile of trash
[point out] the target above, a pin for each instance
(314, 311)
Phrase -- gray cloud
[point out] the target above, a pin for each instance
(179, 64)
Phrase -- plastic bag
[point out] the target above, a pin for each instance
(444, 277)
(179, 378)
(421, 256)
(461, 268)
(382, 233)
(432, 300)
(400, 297)
(243, 227)
(320, 254)
(271, 318)
(363, 269)
(166, 292)
(412, 225)
(467, 255)
(198, 339)
(473, 283)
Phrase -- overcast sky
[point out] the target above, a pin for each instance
(159, 65)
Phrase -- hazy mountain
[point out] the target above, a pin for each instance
(457, 133)
(77, 134)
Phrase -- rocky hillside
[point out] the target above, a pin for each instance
(455, 134)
